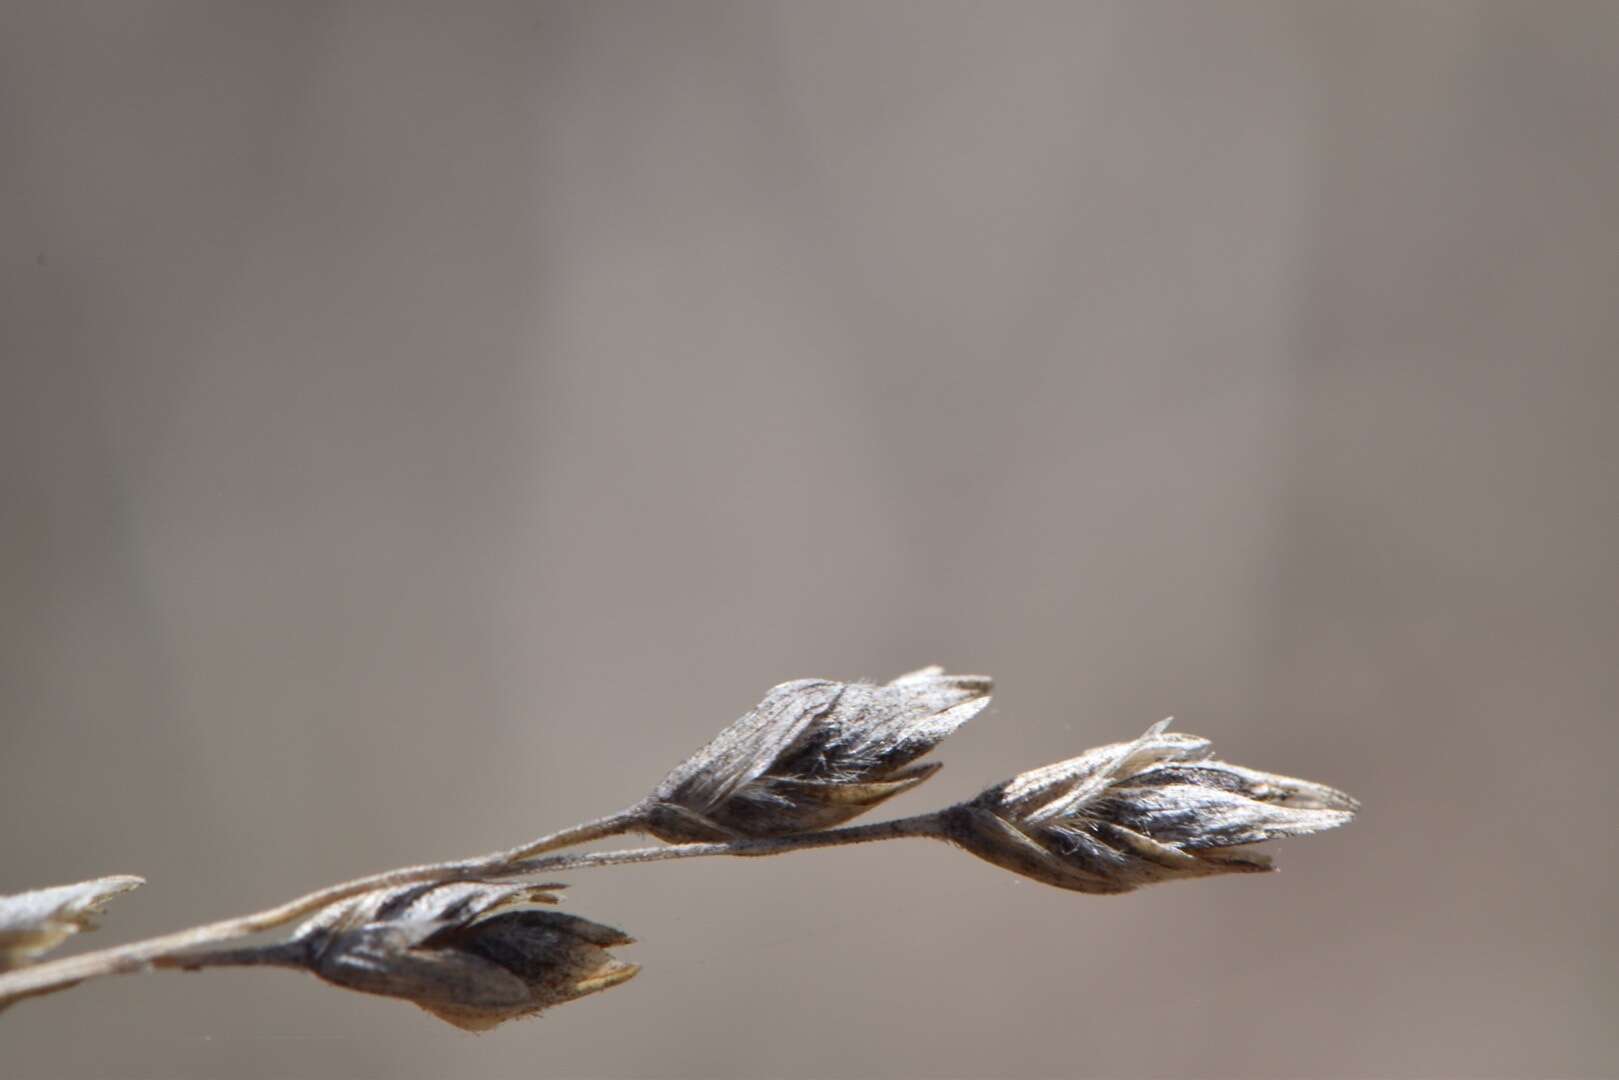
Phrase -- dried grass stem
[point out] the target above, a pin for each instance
(46, 978)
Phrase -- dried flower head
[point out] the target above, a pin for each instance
(33, 923)
(1136, 813)
(472, 953)
(814, 754)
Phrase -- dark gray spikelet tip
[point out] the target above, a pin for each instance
(472, 953)
(814, 754)
(1132, 814)
(33, 923)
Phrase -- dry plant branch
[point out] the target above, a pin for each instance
(474, 950)
(126, 959)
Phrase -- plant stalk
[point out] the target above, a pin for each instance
(55, 975)
(175, 950)
(922, 825)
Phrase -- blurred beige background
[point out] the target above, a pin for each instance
(423, 425)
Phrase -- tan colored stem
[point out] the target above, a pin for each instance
(923, 825)
(123, 959)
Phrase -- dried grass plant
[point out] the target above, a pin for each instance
(471, 945)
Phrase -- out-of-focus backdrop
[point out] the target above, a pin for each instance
(423, 424)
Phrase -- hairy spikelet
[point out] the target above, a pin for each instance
(472, 953)
(1135, 813)
(814, 754)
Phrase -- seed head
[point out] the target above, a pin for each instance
(814, 754)
(472, 953)
(1136, 813)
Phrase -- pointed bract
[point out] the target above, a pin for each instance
(33, 923)
(814, 754)
(472, 953)
(1135, 813)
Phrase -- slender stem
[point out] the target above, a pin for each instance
(628, 820)
(60, 974)
(174, 950)
(285, 954)
(923, 825)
